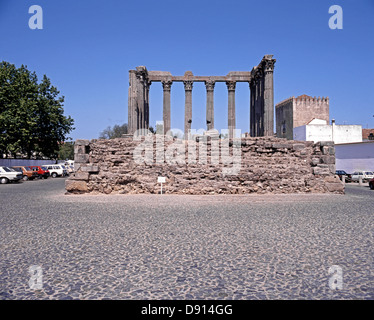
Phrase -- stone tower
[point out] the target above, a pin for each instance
(295, 112)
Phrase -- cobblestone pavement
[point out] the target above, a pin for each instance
(184, 247)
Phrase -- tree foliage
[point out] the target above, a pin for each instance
(66, 151)
(32, 117)
(116, 132)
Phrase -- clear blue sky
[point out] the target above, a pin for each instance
(87, 48)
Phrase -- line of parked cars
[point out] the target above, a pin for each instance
(366, 176)
(17, 173)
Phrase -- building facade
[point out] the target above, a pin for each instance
(316, 131)
(352, 157)
(295, 112)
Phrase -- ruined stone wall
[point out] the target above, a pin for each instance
(267, 165)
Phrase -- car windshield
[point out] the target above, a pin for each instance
(6, 169)
(28, 168)
(369, 173)
(44, 168)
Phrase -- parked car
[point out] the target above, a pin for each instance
(366, 175)
(56, 170)
(341, 173)
(41, 172)
(8, 175)
(27, 173)
(371, 184)
(70, 169)
(66, 168)
(69, 162)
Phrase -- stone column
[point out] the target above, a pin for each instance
(268, 97)
(132, 101)
(147, 87)
(257, 105)
(166, 84)
(252, 109)
(231, 107)
(140, 108)
(140, 102)
(210, 104)
(188, 84)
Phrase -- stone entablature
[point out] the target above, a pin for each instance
(260, 80)
(267, 165)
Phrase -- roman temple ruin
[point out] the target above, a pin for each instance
(260, 80)
(209, 164)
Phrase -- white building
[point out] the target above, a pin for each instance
(352, 157)
(318, 130)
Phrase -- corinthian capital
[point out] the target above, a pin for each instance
(231, 85)
(209, 84)
(269, 65)
(188, 84)
(141, 73)
(166, 84)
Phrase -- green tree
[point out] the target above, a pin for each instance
(66, 151)
(32, 117)
(116, 132)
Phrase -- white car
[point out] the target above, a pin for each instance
(70, 169)
(7, 175)
(366, 175)
(56, 170)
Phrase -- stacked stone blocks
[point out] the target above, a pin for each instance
(267, 165)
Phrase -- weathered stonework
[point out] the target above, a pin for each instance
(295, 112)
(268, 165)
(261, 84)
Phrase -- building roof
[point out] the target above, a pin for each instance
(362, 143)
(304, 96)
(317, 121)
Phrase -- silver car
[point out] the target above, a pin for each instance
(8, 175)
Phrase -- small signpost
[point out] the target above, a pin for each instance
(161, 180)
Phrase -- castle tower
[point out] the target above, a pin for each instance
(295, 112)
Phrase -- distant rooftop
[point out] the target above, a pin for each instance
(304, 96)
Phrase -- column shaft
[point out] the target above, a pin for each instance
(141, 103)
(187, 107)
(132, 102)
(251, 109)
(210, 104)
(166, 105)
(147, 105)
(268, 66)
(268, 105)
(231, 108)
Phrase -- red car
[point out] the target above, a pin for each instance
(371, 184)
(41, 172)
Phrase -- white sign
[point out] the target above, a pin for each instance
(161, 180)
